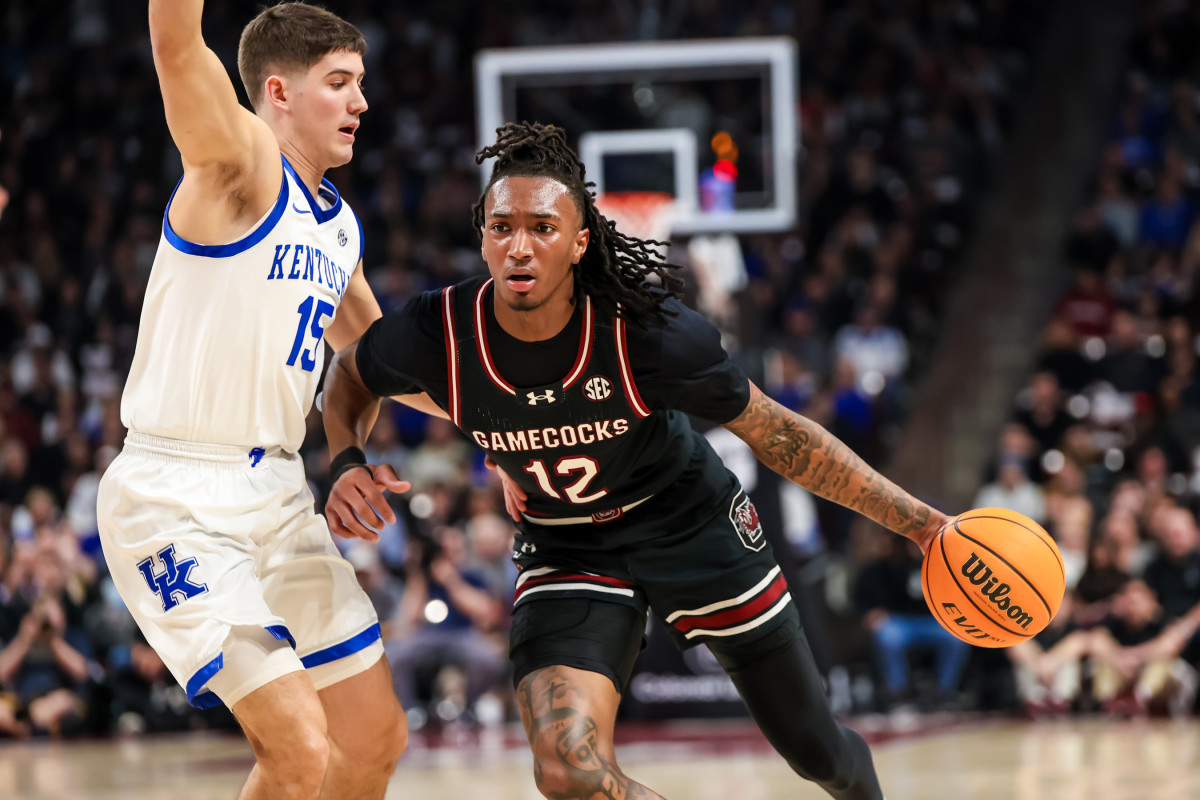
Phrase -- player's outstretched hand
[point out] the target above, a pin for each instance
(924, 537)
(514, 496)
(357, 507)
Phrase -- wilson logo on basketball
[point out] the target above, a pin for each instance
(980, 574)
(597, 388)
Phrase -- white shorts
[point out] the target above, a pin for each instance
(202, 539)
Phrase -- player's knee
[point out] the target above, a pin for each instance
(556, 777)
(829, 762)
(390, 739)
(298, 756)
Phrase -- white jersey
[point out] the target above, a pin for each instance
(231, 341)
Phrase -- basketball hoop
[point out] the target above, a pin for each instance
(645, 215)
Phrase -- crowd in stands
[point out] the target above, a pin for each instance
(1103, 446)
(903, 108)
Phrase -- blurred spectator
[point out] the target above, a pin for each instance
(1040, 410)
(444, 619)
(1120, 529)
(1087, 306)
(1167, 216)
(1013, 490)
(145, 698)
(45, 656)
(1174, 576)
(878, 352)
(888, 594)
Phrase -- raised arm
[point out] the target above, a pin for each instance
(804, 452)
(227, 151)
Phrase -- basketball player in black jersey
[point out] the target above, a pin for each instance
(574, 373)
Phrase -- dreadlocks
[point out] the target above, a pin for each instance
(616, 268)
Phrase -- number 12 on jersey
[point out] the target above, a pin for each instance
(314, 316)
(568, 466)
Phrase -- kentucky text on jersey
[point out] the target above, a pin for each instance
(549, 438)
(306, 263)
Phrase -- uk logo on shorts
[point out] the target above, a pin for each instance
(745, 522)
(172, 584)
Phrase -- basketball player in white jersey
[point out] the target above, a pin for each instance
(206, 520)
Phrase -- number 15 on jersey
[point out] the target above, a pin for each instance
(315, 314)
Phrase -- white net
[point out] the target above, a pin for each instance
(646, 215)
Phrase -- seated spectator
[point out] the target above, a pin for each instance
(878, 352)
(1086, 306)
(1174, 576)
(1062, 356)
(1120, 528)
(444, 618)
(44, 657)
(1125, 364)
(145, 698)
(1040, 410)
(1167, 216)
(1129, 678)
(887, 592)
(1069, 523)
(1013, 490)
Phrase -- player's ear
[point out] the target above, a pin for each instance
(580, 245)
(276, 91)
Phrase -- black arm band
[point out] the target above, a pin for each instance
(348, 459)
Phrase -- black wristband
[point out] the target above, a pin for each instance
(348, 459)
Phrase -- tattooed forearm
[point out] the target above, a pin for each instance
(804, 452)
(573, 757)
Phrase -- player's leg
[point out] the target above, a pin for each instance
(568, 715)
(310, 585)
(367, 732)
(778, 680)
(720, 585)
(200, 603)
(571, 658)
(286, 727)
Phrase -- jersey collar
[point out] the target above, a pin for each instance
(586, 337)
(327, 190)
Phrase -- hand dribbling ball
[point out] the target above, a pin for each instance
(993, 577)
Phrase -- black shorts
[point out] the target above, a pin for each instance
(708, 573)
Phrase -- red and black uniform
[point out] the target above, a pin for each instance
(628, 508)
(626, 503)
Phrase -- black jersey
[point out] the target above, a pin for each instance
(589, 423)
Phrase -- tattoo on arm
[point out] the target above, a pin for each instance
(551, 709)
(804, 452)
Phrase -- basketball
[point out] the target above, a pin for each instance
(993, 577)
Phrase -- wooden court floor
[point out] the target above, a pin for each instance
(980, 760)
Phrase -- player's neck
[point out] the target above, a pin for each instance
(308, 172)
(535, 324)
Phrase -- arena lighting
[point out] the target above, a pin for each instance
(725, 171)
(436, 611)
(723, 146)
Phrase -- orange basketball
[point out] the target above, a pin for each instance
(993, 577)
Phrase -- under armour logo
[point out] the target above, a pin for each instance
(173, 580)
(535, 398)
(342, 238)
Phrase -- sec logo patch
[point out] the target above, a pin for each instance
(597, 388)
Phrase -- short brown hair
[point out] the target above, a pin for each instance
(291, 36)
